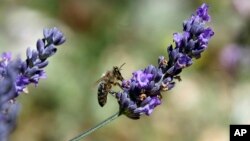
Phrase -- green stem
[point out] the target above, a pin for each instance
(103, 123)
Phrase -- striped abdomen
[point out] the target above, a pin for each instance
(103, 90)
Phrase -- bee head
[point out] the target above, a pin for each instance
(116, 69)
(117, 73)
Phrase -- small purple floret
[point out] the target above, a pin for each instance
(202, 12)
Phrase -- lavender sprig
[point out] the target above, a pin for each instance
(32, 69)
(143, 92)
(16, 75)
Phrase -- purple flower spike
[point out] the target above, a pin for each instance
(30, 70)
(16, 75)
(142, 93)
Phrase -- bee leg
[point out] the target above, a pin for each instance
(177, 77)
(113, 93)
(116, 83)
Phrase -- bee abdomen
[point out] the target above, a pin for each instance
(102, 94)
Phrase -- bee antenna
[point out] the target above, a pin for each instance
(122, 66)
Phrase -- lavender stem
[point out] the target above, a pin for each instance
(89, 131)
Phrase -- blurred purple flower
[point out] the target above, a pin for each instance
(9, 112)
(234, 57)
(242, 7)
(16, 75)
(230, 57)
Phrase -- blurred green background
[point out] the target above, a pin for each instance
(100, 34)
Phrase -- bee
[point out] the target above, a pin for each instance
(105, 83)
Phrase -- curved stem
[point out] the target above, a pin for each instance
(103, 123)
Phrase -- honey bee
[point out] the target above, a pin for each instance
(106, 82)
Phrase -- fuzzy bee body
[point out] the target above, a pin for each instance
(103, 90)
(106, 82)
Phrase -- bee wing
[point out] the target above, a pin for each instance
(105, 77)
(98, 81)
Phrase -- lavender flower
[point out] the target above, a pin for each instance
(31, 70)
(142, 93)
(16, 75)
(8, 115)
